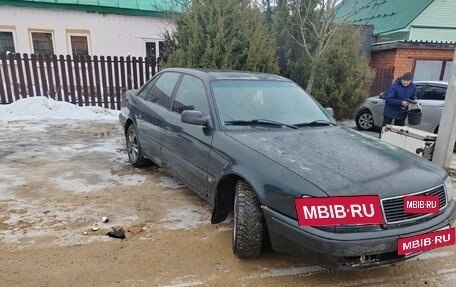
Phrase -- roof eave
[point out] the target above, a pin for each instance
(412, 45)
(89, 8)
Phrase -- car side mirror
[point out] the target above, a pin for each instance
(382, 95)
(330, 111)
(194, 118)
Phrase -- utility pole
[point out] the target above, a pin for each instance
(446, 136)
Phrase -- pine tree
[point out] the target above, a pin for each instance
(222, 34)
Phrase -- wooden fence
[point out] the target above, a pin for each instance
(85, 81)
(383, 78)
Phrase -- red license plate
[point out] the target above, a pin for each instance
(336, 210)
(428, 241)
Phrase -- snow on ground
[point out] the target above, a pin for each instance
(34, 108)
(60, 166)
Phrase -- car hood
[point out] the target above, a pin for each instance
(343, 162)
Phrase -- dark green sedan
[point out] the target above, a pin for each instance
(253, 143)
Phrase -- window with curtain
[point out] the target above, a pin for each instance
(6, 42)
(42, 43)
(79, 45)
(432, 70)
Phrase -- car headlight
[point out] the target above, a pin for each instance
(449, 189)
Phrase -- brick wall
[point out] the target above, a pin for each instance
(403, 59)
(383, 59)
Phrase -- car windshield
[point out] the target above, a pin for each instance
(271, 104)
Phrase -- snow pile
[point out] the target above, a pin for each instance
(34, 108)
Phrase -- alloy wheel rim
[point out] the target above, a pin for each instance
(366, 121)
(132, 146)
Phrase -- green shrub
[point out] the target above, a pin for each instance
(343, 77)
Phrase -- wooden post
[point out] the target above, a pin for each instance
(36, 79)
(70, 77)
(7, 78)
(58, 88)
(14, 81)
(85, 87)
(117, 84)
(20, 71)
(97, 80)
(28, 74)
(43, 76)
(50, 77)
(64, 78)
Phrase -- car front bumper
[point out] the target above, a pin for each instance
(348, 250)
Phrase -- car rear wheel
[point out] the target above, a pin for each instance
(134, 148)
(364, 120)
(248, 229)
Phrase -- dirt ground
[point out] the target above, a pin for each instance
(57, 180)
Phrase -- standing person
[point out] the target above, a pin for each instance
(399, 96)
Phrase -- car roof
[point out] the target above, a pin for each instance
(215, 74)
(443, 83)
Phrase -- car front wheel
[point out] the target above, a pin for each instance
(134, 148)
(364, 120)
(248, 229)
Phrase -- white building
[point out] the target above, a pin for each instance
(85, 27)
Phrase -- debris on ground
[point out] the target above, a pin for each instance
(135, 229)
(117, 232)
(104, 219)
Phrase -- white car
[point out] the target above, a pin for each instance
(431, 96)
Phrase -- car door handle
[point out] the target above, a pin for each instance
(441, 105)
(374, 102)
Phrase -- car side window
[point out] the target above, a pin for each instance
(191, 95)
(434, 93)
(161, 92)
(419, 91)
(145, 90)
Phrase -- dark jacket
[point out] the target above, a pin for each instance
(393, 99)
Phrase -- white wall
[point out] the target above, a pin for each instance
(110, 35)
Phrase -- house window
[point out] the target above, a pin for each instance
(155, 49)
(151, 50)
(432, 70)
(42, 43)
(161, 50)
(78, 42)
(6, 42)
(79, 45)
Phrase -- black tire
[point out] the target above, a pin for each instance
(248, 229)
(134, 148)
(364, 120)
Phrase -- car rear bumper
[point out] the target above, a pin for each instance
(347, 250)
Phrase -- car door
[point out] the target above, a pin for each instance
(432, 99)
(153, 110)
(377, 106)
(186, 147)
